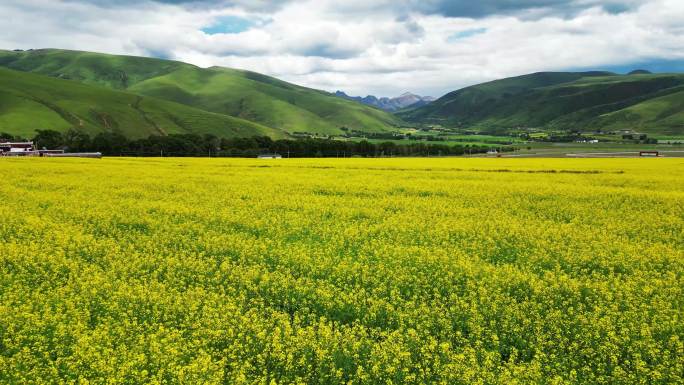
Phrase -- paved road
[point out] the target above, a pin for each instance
(555, 154)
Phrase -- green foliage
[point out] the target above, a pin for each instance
(76, 141)
(49, 139)
(194, 145)
(183, 145)
(4, 136)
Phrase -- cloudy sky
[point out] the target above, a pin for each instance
(380, 47)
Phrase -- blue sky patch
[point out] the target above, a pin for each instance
(466, 34)
(228, 25)
(159, 54)
(655, 66)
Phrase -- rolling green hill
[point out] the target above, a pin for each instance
(29, 102)
(650, 103)
(243, 94)
(184, 98)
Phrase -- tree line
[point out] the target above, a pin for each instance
(115, 144)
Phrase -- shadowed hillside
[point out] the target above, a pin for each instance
(650, 103)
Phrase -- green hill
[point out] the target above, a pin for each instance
(651, 103)
(29, 102)
(248, 95)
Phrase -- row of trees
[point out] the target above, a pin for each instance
(115, 144)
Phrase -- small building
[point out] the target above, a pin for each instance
(24, 149)
(16, 148)
(269, 156)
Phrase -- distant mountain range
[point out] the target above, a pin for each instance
(564, 101)
(390, 104)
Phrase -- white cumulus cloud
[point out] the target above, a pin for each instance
(362, 47)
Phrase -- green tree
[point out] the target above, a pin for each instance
(110, 143)
(49, 139)
(75, 140)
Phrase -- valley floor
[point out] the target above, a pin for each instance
(600, 150)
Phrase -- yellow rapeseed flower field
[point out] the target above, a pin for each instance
(326, 271)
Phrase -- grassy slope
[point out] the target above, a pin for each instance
(249, 95)
(29, 102)
(649, 103)
(106, 70)
(473, 103)
(658, 113)
(661, 115)
(266, 100)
